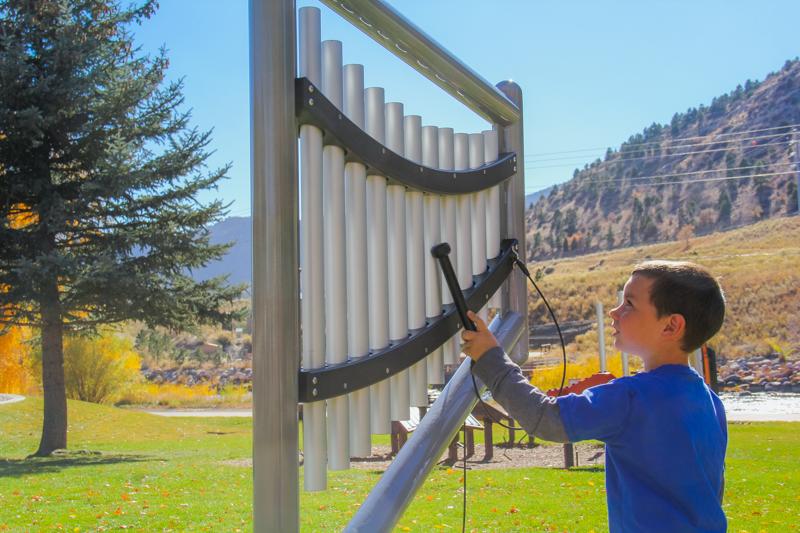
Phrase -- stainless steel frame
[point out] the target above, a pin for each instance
(276, 335)
(405, 40)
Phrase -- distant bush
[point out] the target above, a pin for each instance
(99, 369)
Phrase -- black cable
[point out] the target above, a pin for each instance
(524, 270)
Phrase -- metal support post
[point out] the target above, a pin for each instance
(601, 335)
(276, 312)
(515, 292)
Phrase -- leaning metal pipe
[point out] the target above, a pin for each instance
(394, 491)
(402, 38)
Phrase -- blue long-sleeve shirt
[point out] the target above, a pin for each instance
(665, 434)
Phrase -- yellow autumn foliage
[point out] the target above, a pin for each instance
(16, 376)
(99, 369)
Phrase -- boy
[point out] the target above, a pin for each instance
(664, 429)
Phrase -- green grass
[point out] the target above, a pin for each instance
(159, 474)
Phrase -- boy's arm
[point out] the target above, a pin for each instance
(537, 413)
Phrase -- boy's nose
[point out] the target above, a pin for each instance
(612, 313)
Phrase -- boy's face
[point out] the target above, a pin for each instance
(637, 327)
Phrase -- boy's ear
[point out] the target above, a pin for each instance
(674, 327)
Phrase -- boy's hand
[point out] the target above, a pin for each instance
(477, 343)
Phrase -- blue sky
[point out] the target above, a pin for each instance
(591, 73)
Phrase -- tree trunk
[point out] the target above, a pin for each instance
(54, 426)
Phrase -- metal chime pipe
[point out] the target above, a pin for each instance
(415, 259)
(377, 263)
(433, 236)
(335, 262)
(396, 239)
(463, 247)
(355, 176)
(478, 215)
(451, 348)
(312, 315)
(491, 151)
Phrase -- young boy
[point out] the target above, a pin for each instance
(664, 429)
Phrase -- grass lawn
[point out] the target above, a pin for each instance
(138, 471)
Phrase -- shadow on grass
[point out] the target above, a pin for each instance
(56, 463)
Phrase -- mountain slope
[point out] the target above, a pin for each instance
(713, 167)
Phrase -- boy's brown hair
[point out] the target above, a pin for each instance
(687, 289)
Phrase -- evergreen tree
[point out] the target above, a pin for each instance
(724, 208)
(98, 160)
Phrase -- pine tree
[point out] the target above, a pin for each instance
(97, 156)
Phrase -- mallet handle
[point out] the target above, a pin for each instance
(442, 254)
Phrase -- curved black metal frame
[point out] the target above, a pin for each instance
(313, 108)
(335, 380)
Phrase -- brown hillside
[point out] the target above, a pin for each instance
(758, 267)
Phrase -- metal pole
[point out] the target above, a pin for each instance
(377, 263)
(515, 292)
(415, 259)
(335, 262)
(448, 211)
(491, 151)
(463, 247)
(601, 335)
(355, 175)
(626, 370)
(276, 286)
(797, 165)
(432, 237)
(312, 305)
(696, 362)
(396, 488)
(398, 281)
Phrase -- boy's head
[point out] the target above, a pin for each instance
(670, 301)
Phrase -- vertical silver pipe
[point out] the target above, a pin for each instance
(478, 217)
(355, 175)
(626, 370)
(311, 274)
(451, 348)
(433, 236)
(377, 263)
(491, 151)
(415, 259)
(512, 139)
(696, 362)
(335, 264)
(478, 208)
(463, 247)
(276, 336)
(398, 282)
(601, 335)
